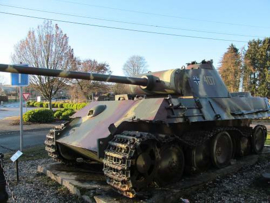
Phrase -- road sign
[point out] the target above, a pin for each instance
(26, 96)
(18, 79)
(16, 156)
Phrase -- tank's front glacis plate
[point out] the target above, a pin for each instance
(84, 131)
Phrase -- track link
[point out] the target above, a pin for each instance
(119, 158)
(50, 144)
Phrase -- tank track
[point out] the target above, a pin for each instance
(51, 147)
(119, 158)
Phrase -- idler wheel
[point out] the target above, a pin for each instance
(171, 164)
(144, 170)
(221, 149)
(258, 139)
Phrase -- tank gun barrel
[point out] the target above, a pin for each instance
(73, 74)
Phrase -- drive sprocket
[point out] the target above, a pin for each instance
(130, 162)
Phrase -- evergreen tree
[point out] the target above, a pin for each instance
(230, 69)
(256, 69)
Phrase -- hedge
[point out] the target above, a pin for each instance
(75, 106)
(63, 114)
(47, 115)
(38, 116)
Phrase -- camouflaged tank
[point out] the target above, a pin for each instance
(179, 121)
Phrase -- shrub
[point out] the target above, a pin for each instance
(38, 104)
(57, 114)
(60, 105)
(65, 105)
(30, 103)
(38, 116)
(55, 104)
(63, 114)
(66, 114)
(46, 104)
(81, 105)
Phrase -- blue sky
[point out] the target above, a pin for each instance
(237, 17)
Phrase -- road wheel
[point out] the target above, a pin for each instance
(258, 139)
(171, 164)
(199, 157)
(221, 149)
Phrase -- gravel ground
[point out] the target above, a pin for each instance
(247, 185)
(34, 187)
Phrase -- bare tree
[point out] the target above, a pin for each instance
(2, 79)
(119, 88)
(2, 92)
(135, 65)
(88, 87)
(45, 47)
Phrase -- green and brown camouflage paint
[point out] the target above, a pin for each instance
(176, 99)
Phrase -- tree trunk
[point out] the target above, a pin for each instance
(50, 103)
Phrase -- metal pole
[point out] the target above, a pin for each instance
(21, 120)
(17, 170)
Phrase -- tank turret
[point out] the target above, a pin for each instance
(183, 82)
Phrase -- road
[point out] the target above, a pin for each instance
(12, 109)
(8, 112)
(9, 142)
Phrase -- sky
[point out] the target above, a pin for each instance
(168, 34)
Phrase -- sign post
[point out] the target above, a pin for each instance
(15, 158)
(20, 80)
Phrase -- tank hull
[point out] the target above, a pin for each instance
(88, 134)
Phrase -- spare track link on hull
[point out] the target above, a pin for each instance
(50, 144)
(119, 158)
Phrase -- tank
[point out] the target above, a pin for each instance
(176, 121)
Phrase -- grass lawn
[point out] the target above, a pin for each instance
(33, 153)
(268, 139)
